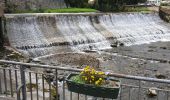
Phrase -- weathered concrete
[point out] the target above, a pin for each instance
(1, 7)
(164, 13)
(1, 14)
(1, 33)
(14, 5)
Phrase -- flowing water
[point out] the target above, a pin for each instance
(43, 34)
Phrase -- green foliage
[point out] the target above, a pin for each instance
(11, 7)
(136, 9)
(104, 5)
(77, 79)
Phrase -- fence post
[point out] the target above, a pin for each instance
(22, 68)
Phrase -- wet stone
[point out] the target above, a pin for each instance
(152, 92)
(163, 48)
(160, 76)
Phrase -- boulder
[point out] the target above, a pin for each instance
(152, 92)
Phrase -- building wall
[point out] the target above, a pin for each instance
(154, 2)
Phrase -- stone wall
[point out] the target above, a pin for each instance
(34, 4)
(1, 14)
(164, 13)
(75, 59)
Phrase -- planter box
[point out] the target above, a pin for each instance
(87, 89)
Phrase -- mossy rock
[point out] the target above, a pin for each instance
(29, 86)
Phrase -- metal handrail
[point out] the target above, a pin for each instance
(78, 70)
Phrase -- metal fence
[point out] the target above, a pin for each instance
(19, 83)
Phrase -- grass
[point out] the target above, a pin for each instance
(63, 10)
(136, 9)
(81, 10)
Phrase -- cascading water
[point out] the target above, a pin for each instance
(43, 34)
(136, 28)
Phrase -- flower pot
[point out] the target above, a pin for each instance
(92, 90)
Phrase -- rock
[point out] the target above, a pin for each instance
(160, 76)
(151, 50)
(163, 48)
(90, 51)
(163, 61)
(113, 45)
(36, 60)
(152, 92)
(121, 44)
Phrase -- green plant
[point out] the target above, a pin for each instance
(91, 76)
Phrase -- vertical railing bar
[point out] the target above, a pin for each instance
(5, 81)
(85, 97)
(64, 88)
(43, 86)
(50, 90)
(0, 86)
(56, 85)
(157, 94)
(30, 85)
(129, 93)
(36, 78)
(23, 82)
(167, 93)
(139, 95)
(19, 95)
(78, 97)
(10, 78)
(71, 95)
(16, 81)
(121, 92)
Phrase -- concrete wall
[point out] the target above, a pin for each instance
(1, 14)
(164, 13)
(34, 4)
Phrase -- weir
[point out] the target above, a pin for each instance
(43, 34)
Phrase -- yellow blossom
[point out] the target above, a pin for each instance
(100, 79)
(92, 77)
(86, 79)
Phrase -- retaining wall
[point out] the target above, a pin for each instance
(164, 13)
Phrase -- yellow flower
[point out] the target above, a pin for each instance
(92, 77)
(101, 73)
(85, 79)
(87, 67)
(100, 79)
(97, 83)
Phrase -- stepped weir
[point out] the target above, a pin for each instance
(43, 34)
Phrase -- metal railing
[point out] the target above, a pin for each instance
(20, 83)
